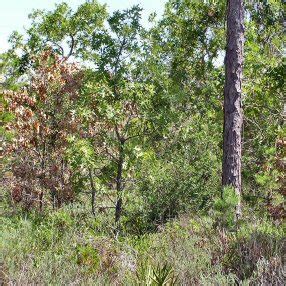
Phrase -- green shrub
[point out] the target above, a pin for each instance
(224, 208)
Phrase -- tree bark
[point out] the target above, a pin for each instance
(93, 191)
(119, 188)
(233, 117)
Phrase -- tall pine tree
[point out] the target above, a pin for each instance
(233, 116)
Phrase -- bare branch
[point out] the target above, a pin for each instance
(71, 47)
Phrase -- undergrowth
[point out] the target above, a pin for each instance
(70, 247)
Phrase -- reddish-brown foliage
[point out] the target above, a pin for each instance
(43, 120)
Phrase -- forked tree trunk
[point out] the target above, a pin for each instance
(233, 116)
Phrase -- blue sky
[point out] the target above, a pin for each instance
(14, 13)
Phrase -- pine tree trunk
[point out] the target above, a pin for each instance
(233, 116)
